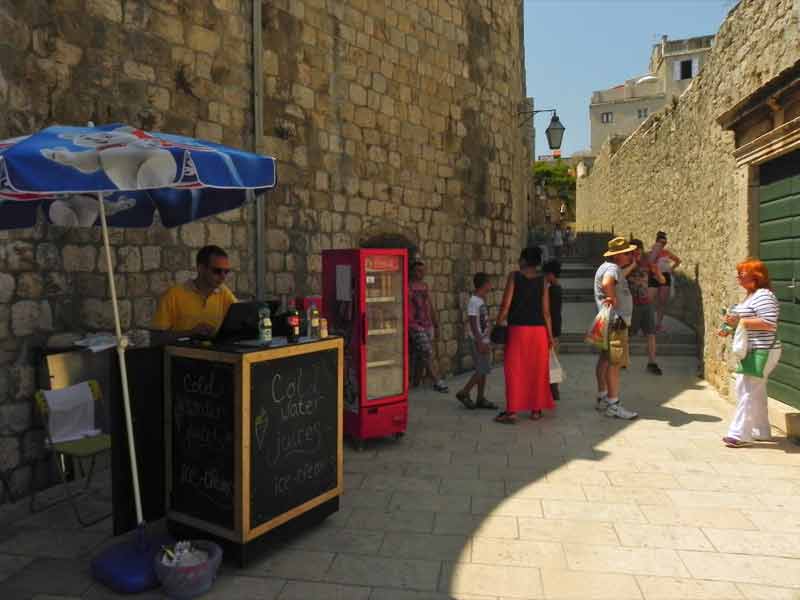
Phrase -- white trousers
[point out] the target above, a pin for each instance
(751, 420)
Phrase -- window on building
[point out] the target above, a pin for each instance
(643, 113)
(686, 69)
(607, 117)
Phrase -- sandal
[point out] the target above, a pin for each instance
(484, 403)
(465, 400)
(507, 418)
(731, 442)
(536, 415)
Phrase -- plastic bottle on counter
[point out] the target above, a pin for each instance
(313, 321)
(293, 324)
(265, 325)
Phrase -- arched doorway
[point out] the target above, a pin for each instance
(391, 240)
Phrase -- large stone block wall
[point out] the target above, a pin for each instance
(387, 119)
(677, 173)
(400, 119)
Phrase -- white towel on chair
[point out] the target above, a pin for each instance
(71, 412)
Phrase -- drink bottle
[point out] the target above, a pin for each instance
(725, 328)
(313, 321)
(265, 325)
(293, 323)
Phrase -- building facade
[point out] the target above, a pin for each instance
(618, 111)
(393, 123)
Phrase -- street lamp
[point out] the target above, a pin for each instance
(555, 130)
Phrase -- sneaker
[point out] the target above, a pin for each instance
(617, 411)
(441, 386)
(601, 404)
(654, 369)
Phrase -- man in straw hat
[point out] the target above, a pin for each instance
(611, 289)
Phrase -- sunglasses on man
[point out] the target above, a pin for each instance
(220, 271)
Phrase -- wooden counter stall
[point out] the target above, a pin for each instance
(253, 439)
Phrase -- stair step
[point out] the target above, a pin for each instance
(578, 273)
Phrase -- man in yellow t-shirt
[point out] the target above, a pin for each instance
(197, 307)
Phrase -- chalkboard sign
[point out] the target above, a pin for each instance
(203, 440)
(294, 432)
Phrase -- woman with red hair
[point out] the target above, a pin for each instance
(758, 313)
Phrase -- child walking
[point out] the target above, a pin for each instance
(478, 332)
(552, 271)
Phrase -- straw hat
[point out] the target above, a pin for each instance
(619, 245)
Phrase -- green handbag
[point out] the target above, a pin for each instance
(753, 364)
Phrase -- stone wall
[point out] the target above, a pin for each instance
(677, 172)
(386, 118)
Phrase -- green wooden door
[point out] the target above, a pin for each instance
(779, 248)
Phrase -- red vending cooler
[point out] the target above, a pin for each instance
(365, 299)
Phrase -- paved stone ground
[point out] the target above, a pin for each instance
(572, 506)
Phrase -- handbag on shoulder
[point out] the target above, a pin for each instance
(499, 334)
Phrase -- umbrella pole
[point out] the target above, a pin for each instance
(121, 345)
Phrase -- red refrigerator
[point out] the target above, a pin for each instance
(365, 299)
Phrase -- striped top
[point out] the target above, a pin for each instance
(761, 304)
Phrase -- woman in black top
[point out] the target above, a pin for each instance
(526, 309)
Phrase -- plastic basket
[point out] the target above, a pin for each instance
(182, 583)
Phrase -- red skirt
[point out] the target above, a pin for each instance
(527, 369)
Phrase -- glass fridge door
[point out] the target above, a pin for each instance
(384, 324)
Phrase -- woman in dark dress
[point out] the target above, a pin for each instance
(526, 309)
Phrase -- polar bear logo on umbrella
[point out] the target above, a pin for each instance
(130, 158)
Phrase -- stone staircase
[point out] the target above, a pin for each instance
(577, 279)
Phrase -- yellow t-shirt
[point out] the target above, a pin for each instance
(183, 307)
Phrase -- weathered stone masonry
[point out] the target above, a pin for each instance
(677, 171)
(387, 118)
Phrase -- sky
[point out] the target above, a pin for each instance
(574, 47)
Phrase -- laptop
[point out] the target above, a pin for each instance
(240, 323)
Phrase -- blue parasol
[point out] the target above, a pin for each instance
(120, 176)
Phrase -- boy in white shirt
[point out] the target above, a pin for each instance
(478, 332)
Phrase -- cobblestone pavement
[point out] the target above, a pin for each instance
(573, 506)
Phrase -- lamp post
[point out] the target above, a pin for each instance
(555, 130)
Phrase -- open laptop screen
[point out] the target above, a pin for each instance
(241, 322)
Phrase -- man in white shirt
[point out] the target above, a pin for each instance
(611, 289)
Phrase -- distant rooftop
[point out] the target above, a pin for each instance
(643, 86)
(667, 47)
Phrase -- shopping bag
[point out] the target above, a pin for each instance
(597, 335)
(556, 372)
(740, 341)
(618, 344)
